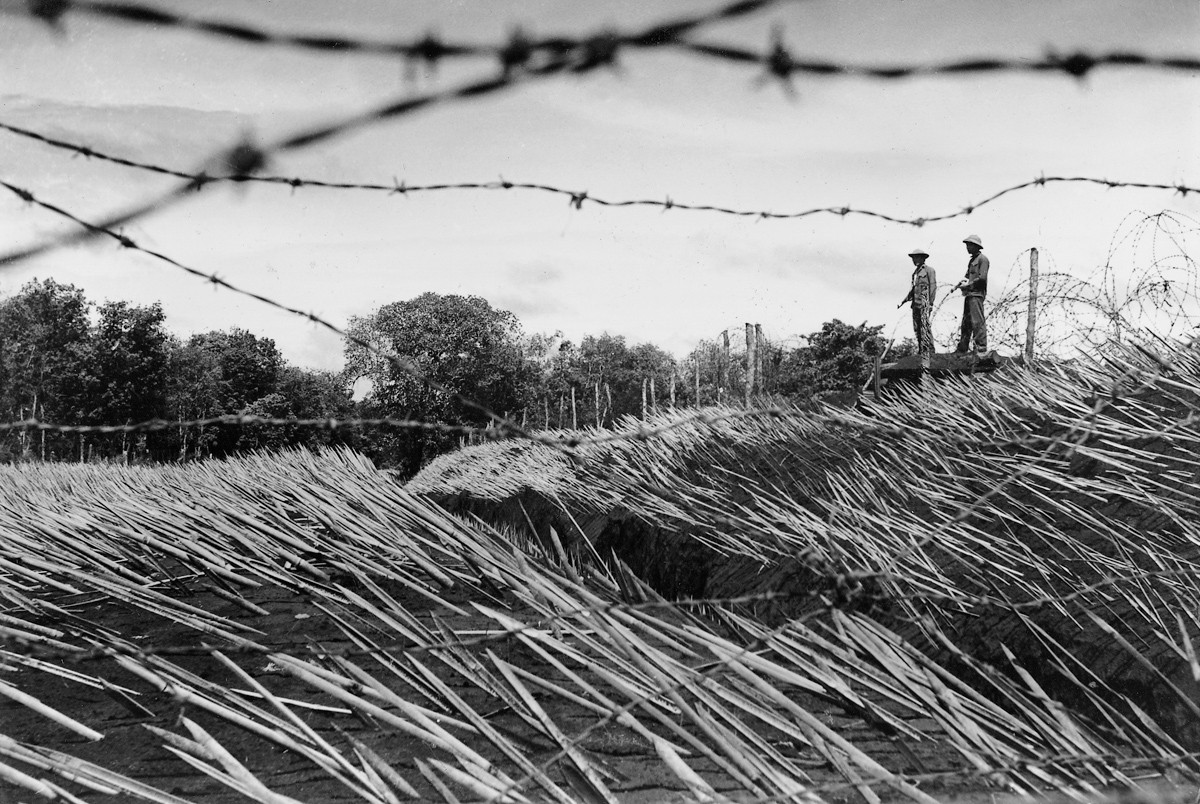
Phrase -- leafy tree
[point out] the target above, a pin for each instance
(646, 361)
(460, 343)
(123, 376)
(193, 392)
(249, 366)
(315, 395)
(129, 356)
(723, 377)
(43, 339)
(606, 376)
(252, 436)
(66, 361)
(834, 365)
(220, 373)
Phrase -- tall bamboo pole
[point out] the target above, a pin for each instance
(1031, 322)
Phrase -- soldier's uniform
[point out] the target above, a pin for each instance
(974, 291)
(922, 294)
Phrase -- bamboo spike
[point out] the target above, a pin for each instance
(447, 796)
(381, 767)
(24, 780)
(434, 738)
(221, 776)
(13, 694)
(592, 786)
(494, 736)
(234, 768)
(83, 772)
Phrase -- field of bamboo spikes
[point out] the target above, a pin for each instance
(965, 588)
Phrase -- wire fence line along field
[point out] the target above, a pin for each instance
(577, 198)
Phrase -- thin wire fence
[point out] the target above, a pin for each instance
(522, 50)
(577, 198)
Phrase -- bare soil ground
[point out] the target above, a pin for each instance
(294, 625)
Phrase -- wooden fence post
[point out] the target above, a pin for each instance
(1031, 322)
(574, 415)
(672, 388)
(723, 381)
(750, 350)
(876, 378)
(758, 359)
(643, 398)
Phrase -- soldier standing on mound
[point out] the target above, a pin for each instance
(974, 291)
(924, 288)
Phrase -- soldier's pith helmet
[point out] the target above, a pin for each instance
(973, 239)
(918, 252)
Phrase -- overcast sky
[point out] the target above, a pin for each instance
(666, 124)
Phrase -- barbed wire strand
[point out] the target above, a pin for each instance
(247, 158)
(570, 439)
(576, 198)
(577, 55)
(520, 49)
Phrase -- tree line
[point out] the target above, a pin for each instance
(67, 360)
